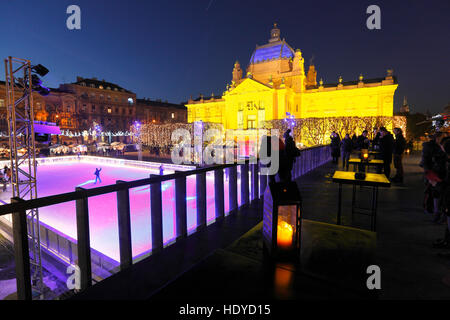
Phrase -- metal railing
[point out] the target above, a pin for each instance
(310, 158)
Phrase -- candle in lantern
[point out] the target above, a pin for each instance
(284, 234)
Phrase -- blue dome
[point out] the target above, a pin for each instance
(272, 51)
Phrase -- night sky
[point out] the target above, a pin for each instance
(173, 49)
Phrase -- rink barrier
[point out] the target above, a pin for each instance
(308, 160)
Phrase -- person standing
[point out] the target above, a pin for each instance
(335, 145)
(386, 148)
(434, 163)
(376, 139)
(347, 147)
(399, 149)
(292, 152)
(445, 203)
(97, 175)
(362, 142)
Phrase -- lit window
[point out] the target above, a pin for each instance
(173, 115)
(109, 110)
(100, 87)
(2, 102)
(130, 100)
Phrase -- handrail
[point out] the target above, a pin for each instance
(77, 195)
(18, 209)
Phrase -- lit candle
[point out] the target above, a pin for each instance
(284, 234)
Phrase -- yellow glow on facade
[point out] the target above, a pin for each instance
(276, 84)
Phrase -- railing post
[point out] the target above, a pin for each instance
(180, 207)
(83, 241)
(232, 188)
(263, 183)
(200, 179)
(124, 223)
(244, 184)
(219, 197)
(156, 215)
(255, 181)
(21, 253)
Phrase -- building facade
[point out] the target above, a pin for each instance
(158, 112)
(87, 103)
(102, 103)
(276, 85)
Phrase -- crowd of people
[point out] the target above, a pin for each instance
(390, 149)
(436, 165)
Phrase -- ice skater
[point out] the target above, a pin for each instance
(161, 170)
(97, 175)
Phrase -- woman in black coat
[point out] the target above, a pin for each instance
(335, 146)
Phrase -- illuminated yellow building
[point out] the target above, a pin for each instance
(276, 84)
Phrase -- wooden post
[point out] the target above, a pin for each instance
(201, 199)
(232, 188)
(244, 184)
(21, 253)
(255, 181)
(156, 215)
(124, 223)
(180, 207)
(83, 241)
(219, 197)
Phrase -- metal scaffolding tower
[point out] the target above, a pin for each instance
(20, 117)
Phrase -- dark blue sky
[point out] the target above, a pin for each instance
(174, 49)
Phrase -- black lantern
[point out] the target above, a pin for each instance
(282, 220)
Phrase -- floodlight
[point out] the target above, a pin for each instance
(40, 70)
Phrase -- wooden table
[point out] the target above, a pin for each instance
(378, 163)
(373, 180)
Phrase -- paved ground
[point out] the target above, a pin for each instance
(410, 268)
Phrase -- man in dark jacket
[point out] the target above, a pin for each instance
(434, 163)
(292, 152)
(347, 146)
(376, 139)
(335, 144)
(445, 201)
(386, 148)
(362, 142)
(399, 149)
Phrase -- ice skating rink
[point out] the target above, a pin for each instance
(60, 177)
